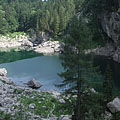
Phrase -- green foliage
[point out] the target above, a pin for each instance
(93, 10)
(75, 62)
(52, 15)
(45, 105)
(108, 85)
(95, 7)
(116, 116)
(93, 105)
(5, 116)
(18, 34)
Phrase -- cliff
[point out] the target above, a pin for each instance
(110, 23)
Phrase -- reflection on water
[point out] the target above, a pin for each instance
(45, 69)
(115, 67)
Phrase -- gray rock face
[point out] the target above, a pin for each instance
(114, 106)
(110, 22)
(34, 84)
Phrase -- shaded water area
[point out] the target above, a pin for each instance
(23, 66)
(102, 62)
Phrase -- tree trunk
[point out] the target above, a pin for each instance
(78, 114)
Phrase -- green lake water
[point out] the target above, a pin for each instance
(45, 69)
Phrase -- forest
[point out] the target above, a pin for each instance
(78, 24)
(50, 16)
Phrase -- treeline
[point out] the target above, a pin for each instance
(50, 16)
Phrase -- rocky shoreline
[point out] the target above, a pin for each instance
(49, 47)
(29, 104)
(23, 42)
(108, 50)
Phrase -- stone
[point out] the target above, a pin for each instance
(1, 104)
(114, 106)
(62, 101)
(55, 94)
(39, 102)
(28, 43)
(3, 72)
(53, 118)
(34, 84)
(45, 50)
(8, 101)
(65, 117)
(32, 106)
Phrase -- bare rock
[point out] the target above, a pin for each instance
(32, 106)
(34, 84)
(65, 117)
(3, 72)
(62, 101)
(114, 106)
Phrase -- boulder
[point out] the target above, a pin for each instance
(3, 72)
(34, 84)
(114, 106)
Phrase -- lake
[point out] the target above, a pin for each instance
(45, 69)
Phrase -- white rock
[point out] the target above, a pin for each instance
(62, 101)
(32, 106)
(3, 72)
(114, 106)
(65, 117)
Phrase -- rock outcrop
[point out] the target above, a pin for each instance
(41, 45)
(49, 47)
(21, 41)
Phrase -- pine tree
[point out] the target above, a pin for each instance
(108, 85)
(75, 62)
(62, 18)
(56, 23)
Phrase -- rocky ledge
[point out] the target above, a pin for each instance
(49, 47)
(30, 104)
(27, 43)
(108, 50)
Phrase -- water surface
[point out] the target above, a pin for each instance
(45, 69)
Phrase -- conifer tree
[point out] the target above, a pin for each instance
(56, 23)
(75, 62)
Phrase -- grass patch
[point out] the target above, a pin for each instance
(5, 116)
(46, 105)
(18, 34)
